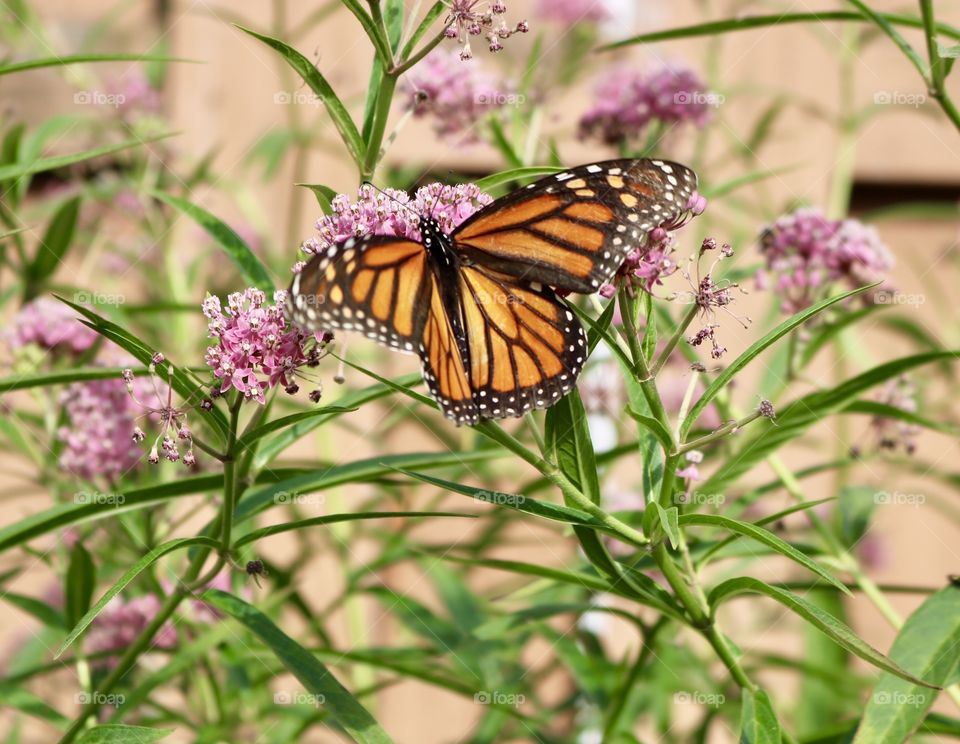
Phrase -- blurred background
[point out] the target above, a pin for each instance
(243, 117)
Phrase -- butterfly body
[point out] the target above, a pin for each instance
(477, 305)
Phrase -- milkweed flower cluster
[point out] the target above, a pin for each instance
(393, 212)
(51, 325)
(471, 18)
(455, 96)
(570, 12)
(256, 348)
(627, 101)
(806, 254)
(894, 434)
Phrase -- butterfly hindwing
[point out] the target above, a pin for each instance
(525, 347)
(376, 286)
(573, 230)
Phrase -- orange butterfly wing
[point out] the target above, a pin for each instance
(573, 230)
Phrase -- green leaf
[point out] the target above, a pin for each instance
(380, 44)
(883, 410)
(42, 611)
(826, 623)
(758, 722)
(110, 733)
(436, 10)
(86, 510)
(324, 194)
(927, 647)
(61, 377)
(131, 573)
(762, 536)
(312, 674)
(327, 412)
(745, 23)
(73, 59)
(319, 85)
(544, 509)
(515, 174)
(669, 523)
(55, 243)
(254, 273)
(804, 412)
(81, 580)
(15, 697)
(831, 330)
(276, 529)
(654, 427)
(728, 187)
(38, 165)
(895, 36)
(721, 380)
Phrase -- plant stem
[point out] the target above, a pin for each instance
(717, 433)
(380, 116)
(672, 342)
(938, 69)
(643, 656)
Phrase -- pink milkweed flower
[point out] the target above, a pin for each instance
(120, 624)
(256, 348)
(393, 212)
(51, 325)
(468, 18)
(570, 12)
(627, 101)
(806, 254)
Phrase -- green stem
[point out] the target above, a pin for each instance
(628, 310)
(938, 67)
(841, 182)
(643, 656)
(718, 433)
(672, 342)
(379, 126)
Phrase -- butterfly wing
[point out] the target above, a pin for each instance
(573, 230)
(377, 286)
(525, 347)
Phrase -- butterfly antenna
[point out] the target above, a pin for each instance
(392, 198)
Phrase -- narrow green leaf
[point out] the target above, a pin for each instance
(111, 733)
(324, 194)
(276, 529)
(40, 610)
(728, 187)
(55, 243)
(895, 36)
(765, 537)
(312, 674)
(73, 59)
(831, 330)
(836, 630)
(654, 427)
(17, 698)
(254, 273)
(80, 583)
(745, 23)
(319, 85)
(327, 412)
(515, 174)
(758, 722)
(544, 509)
(131, 573)
(723, 379)
(669, 523)
(883, 410)
(15, 170)
(927, 647)
(436, 10)
(62, 377)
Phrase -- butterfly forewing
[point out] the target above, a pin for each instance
(376, 286)
(573, 230)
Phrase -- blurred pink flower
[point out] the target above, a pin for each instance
(393, 212)
(456, 96)
(570, 12)
(627, 100)
(122, 621)
(50, 324)
(806, 253)
(135, 95)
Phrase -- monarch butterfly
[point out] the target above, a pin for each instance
(478, 305)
